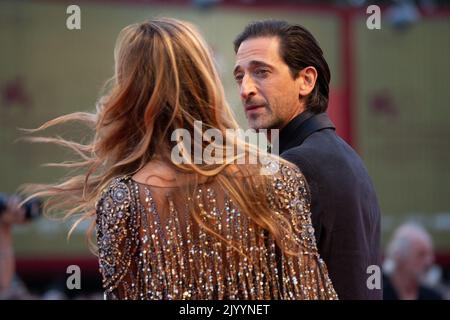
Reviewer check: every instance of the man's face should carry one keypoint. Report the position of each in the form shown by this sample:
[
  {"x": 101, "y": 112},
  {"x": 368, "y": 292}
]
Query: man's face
[
  {"x": 420, "y": 259},
  {"x": 269, "y": 93}
]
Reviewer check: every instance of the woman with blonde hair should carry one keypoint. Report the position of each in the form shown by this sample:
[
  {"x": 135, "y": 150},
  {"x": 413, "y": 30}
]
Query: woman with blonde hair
[{"x": 190, "y": 229}]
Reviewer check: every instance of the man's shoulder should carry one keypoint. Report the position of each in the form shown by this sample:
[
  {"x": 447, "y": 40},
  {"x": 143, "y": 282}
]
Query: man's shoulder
[
  {"x": 324, "y": 144},
  {"x": 426, "y": 293},
  {"x": 324, "y": 155}
]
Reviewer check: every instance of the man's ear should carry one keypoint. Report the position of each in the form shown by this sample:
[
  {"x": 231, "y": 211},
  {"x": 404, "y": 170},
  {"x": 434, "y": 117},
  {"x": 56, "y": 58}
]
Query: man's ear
[{"x": 307, "y": 80}]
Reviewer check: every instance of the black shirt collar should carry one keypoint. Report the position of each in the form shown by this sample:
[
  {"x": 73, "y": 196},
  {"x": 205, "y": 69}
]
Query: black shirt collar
[{"x": 299, "y": 128}]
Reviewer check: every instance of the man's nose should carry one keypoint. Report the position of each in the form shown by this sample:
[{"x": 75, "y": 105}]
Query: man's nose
[{"x": 248, "y": 88}]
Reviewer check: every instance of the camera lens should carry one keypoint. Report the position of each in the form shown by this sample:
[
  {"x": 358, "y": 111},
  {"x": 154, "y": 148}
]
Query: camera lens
[
  {"x": 3, "y": 202},
  {"x": 33, "y": 209}
]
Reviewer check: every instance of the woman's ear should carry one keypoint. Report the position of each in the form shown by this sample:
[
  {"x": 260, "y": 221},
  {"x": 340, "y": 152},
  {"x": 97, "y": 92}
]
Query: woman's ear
[{"x": 307, "y": 80}]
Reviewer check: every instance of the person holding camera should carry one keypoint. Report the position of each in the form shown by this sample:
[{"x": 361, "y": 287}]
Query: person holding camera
[{"x": 11, "y": 213}]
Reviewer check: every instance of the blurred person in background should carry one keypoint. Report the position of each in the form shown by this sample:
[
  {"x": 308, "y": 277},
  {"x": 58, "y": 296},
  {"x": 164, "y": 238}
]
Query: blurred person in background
[
  {"x": 11, "y": 213},
  {"x": 12, "y": 287},
  {"x": 409, "y": 260}
]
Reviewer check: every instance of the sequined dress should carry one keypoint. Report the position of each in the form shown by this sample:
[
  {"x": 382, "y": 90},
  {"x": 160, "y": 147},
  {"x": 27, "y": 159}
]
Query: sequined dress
[{"x": 150, "y": 247}]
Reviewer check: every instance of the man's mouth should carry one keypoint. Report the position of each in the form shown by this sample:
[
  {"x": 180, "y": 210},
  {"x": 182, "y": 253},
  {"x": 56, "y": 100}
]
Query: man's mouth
[{"x": 253, "y": 107}]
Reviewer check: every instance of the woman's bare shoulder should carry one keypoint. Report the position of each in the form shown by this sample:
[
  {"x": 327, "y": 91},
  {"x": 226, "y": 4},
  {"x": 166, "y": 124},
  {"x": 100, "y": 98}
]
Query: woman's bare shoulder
[{"x": 156, "y": 173}]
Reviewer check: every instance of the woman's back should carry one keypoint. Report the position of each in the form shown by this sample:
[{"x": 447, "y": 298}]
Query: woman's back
[{"x": 151, "y": 247}]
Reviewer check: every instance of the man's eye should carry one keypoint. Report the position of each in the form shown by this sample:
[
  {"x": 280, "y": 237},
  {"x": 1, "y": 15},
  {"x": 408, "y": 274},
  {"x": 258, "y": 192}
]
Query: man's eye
[
  {"x": 238, "y": 77},
  {"x": 261, "y": 72}
]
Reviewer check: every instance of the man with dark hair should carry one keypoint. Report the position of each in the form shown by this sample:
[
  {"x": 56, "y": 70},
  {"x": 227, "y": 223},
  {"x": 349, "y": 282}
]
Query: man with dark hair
[{"x": 284, "y": 83}]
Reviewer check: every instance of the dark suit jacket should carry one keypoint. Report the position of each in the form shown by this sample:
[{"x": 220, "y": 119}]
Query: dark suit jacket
[
  {"x": 344, "y": 206},
  {"x": 389, "y": 292}
]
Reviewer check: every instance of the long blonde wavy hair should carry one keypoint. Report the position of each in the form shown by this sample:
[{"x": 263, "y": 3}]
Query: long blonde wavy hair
[{"x": 165, "y": 79}]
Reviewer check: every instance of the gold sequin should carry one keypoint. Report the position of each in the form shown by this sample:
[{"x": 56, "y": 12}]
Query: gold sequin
[{"x": 143, "y": 257}]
